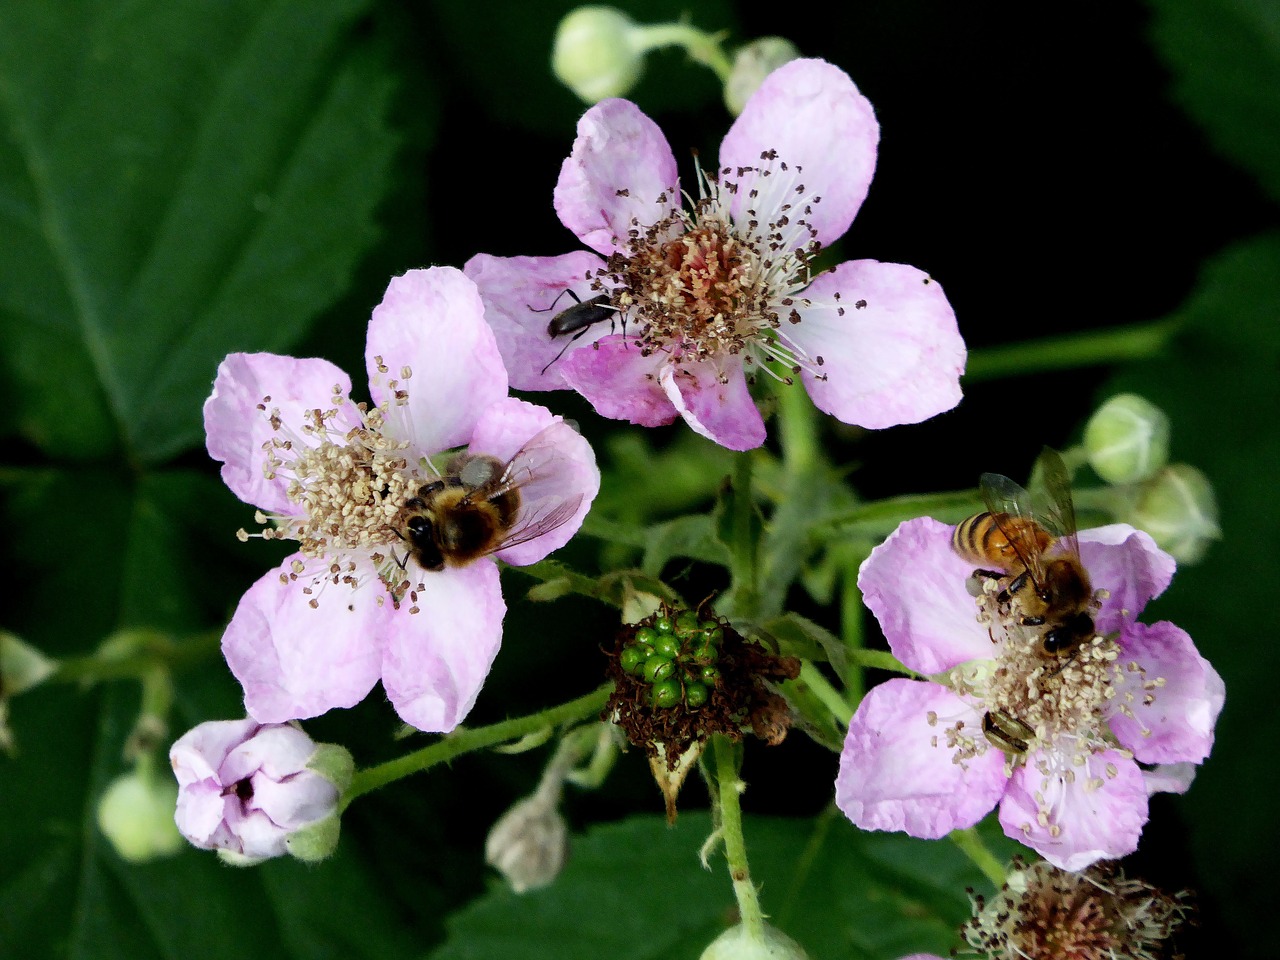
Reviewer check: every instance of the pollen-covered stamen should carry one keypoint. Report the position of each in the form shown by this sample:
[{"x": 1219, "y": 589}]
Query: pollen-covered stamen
[
  {"x": 1064, "y": 701},
  {"x": 348, "y": 481},
  {"x": 701, "y": 283},
  {"x": 1099, "y": 914}
]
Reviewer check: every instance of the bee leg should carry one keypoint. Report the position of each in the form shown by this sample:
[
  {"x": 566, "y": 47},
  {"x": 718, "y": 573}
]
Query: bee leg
[
  {"x": 1014, "y": 586},
  {"x": 1032, "y": 621}
]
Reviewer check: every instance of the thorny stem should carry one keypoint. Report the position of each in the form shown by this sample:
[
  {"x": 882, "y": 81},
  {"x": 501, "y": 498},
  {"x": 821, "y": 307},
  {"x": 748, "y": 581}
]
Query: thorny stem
[
  {"x": 970, "y": 843},
  {"x": 1136, "y": 342},
  {"x": 735, "y": 847},
  {"x": 466, "y": 741}
]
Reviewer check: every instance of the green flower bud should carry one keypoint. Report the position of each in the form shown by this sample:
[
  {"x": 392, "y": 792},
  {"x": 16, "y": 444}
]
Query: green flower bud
[
  {"x": 22, "y": 666},
  {"x": 136, "y": 815},
  {"x": 751, "y": 64},
  {"x": 1178, "y": 508},
  {"x": 597, "y": 53},
  {"x": 1127, "y": 439},
  {"x": 737, "y": 943}
]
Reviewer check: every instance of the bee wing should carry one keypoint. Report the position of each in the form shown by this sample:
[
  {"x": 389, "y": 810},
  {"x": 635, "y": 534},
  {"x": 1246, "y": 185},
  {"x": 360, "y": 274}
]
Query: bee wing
[
  {"x": 1005, "y": 497},
  {"x": 1058, "y": 511},
  {"x": 542, "y": 475}
]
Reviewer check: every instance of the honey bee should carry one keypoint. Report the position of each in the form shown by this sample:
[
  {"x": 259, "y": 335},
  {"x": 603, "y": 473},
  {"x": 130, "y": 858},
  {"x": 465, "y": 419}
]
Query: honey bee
[
  {"x": 480, "y": 505},
  {"x": 1035, "y": 555}
]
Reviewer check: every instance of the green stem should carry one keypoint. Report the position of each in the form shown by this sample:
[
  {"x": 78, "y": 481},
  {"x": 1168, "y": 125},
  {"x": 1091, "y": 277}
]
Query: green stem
[
  {"x": 735, "y": 846},
  {"x": 745, "y": 545},
  {"x": 97, "y": 668},
  {"x": 701, "y": 46},
  {"x": 805, "y": 862},
  {"x": 798, "y": 429},
  {"x": 466, "y": 741},
  {"x": 824, "y": 691},
  {"x": 1136, "y": 342},
  {"x": 855, "y": 682},
  {"x": 970, "y": 843},
  {"x": 881, "y": 517}
]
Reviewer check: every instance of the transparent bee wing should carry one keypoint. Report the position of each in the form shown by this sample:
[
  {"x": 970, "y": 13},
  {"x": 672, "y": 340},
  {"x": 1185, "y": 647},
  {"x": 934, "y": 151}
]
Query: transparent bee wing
[
  {"x": 1004, "y": 497},
  {"x": 543, "y": 477},
  {"x": 1058, "y": 512}
]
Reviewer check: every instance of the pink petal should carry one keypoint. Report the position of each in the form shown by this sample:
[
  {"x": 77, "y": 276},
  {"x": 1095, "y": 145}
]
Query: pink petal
[
  {"x": 302, "y": 800},
  {"x": 437, "y": 660},
  {"x": 1097, "y": 812},
  {"x": 200, "y": 752},
  {"x": 276, "y": 750},
  {"x": 619, "y": 381},
  {"x": 235, "y": 429},
  {"x": 432, "y": 323},
  {"x": 1169, "y": 778},
  {"x": 561, "y": 469},
  {"x": 1127, "y": 563},
  {"x": 914, "y": 583},
  {"x": 895, "y": 359},
  {"x": 897, "y": 773},
  {"x": 811, "y": 113},
  {"x": 621, "y": 172},
  {"x": 295, "y": 661},
  {"x": 521, "y": 296},
  {"x": 1178, "y": 723},
  {"x": 199, "y": 812},
  {"x": 715, "y": 402}
]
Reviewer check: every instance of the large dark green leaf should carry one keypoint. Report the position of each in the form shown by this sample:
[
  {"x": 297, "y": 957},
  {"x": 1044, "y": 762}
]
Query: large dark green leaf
[
  {"x": 1221, "y": 386},
  {"x": 1225, "y": 59},
  {"x": 177, "y": 180},
  {"x": 634, "y": 891}
]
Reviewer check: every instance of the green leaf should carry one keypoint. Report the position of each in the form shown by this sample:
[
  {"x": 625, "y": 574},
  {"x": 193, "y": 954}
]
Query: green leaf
[
  {"x": 177, "y": 181},
  {"x": 1219, "y": 385},
  {"x": 1225, "y": 59},
  {"x": 634, "y": 891}
]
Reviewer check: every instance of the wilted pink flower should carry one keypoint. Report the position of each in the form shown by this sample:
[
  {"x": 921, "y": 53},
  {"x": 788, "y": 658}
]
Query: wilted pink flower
[
  {"x": 916, "y": 757},
  {"x": 352, "y": 606},
  {"x": 693, "y": 300},
  {"x": 245, "y": 787}
]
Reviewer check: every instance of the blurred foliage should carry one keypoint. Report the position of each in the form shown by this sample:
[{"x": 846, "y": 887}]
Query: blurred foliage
[{"x": 181, "y": 179}]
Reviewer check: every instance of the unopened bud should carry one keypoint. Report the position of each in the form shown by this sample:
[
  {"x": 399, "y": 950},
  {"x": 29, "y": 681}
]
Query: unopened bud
[
  {"x": 1178, "y": 508},
  {"x": 136, "y": 815},
  {"x": 1127, "y": 439},
  {"x": 597, "y": 54},
  {"x": 22, "y": 666},
  {"x": 253, "y": 791},
  {"x": 529, "y": 843},
  {"x": 751, "y": 64},
  {"x": 737, "y": 943}
]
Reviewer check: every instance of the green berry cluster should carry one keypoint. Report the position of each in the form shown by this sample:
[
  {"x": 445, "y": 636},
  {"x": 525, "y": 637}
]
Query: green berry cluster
[{"x": 677, "y": 657}]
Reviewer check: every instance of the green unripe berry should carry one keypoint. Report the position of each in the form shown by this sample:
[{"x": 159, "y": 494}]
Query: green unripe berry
[
  {"x": 687, "y": 622},
  {"x": 666, "y": 693},
  {"x": 647, "y": 635},
  {"x": 695, "y": 695},
  {"x": 632, "y": 659},
  {"x": 704, "y": 654},
  {"x": 658, "y": 668},
  {"x": 712, "y": 632},
  {"x": 668, "y": 645},
  {"x": 662, "y": 624},
  {"x": 710, "y": 674}
]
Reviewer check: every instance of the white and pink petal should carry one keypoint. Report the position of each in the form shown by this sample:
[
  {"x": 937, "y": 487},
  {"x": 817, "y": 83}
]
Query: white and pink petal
[
  {"x": 1168, "y": 703},
  {"x": 521, "y": 296},
  {"x": 890, "y": 349},
  {"x": 436, "y": 660},
  {"x": 295, "y": 660},
  {"x": 430, "y": 325},
  {"x": 1076, "y": 816},
  {"x": 897, "y": 772},
  {"x": 620, "y": 173},
  {"x": 914, "y": 583},
  {"x": 619, "y": 381},
  {"x": 813, "y": 116},
  {"x": 238, "y": 418},
  {"x": 714, "y": 401},
  {"x": 1127, "y": 564}
]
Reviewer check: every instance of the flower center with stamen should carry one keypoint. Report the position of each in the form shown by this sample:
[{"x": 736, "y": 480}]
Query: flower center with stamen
[
  {"x": 700, "y": 284},
  {"x": 1063, "y": 700}
]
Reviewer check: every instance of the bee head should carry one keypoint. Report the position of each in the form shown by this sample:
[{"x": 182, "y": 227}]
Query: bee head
[{"x": 421, "y": 534}]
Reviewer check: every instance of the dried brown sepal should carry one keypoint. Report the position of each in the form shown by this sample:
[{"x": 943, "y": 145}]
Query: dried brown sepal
[{"x": 738, "y": 700}]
